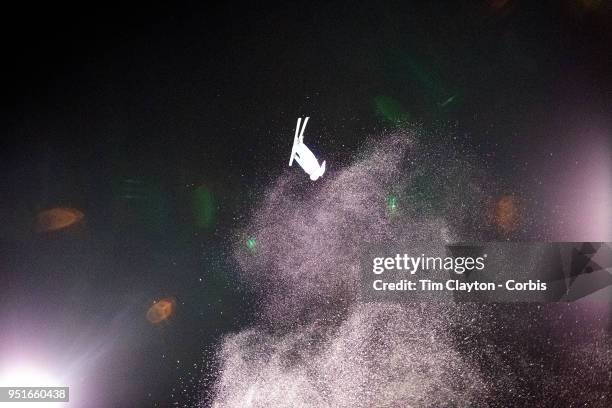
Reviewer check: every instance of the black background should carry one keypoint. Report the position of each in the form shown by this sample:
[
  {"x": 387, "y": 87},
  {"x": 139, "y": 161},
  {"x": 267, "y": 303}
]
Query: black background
[{"x": 189, "y": 95}]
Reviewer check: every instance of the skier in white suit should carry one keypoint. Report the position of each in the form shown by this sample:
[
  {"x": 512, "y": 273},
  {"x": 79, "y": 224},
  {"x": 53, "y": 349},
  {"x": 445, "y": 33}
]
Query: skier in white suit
[{"x": 302, "y": 154}]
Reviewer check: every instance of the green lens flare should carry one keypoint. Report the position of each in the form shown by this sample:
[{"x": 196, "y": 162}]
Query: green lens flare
[
  {"x": 251, "y": 244},
  {"x": 204, "y": 208},
  {"x": 391, "y": 110},
  {"x": 392, "y": 203}
]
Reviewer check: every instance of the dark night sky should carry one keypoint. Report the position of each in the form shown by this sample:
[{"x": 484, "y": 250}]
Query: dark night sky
[{"x": 186, "y": 96}]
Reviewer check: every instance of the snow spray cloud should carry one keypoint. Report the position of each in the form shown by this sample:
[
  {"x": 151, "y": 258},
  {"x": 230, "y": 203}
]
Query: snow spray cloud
[
  {"x": 316, "y": 345},
  {"x": 310, "y": 236}
]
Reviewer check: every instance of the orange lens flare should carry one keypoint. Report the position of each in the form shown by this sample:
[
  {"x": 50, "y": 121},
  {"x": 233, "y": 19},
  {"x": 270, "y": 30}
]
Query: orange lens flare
[
  {"x": 57, "y": 218},
  {"x": 506, "y": 214},
  {"x": 161, "y": 310}
]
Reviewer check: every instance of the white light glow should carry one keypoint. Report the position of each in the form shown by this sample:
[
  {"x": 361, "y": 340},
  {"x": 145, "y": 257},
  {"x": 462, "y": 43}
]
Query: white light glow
[{"x": 28, "y": 375}]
